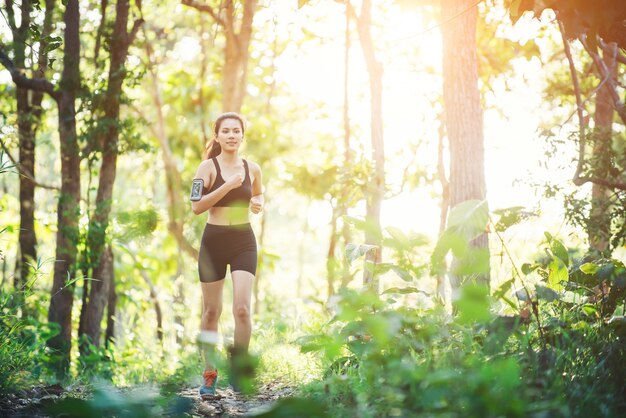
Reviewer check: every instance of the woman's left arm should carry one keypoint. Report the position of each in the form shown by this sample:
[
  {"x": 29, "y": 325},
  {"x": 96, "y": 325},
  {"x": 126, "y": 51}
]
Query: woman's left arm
[{"x": 257, "y": 200}]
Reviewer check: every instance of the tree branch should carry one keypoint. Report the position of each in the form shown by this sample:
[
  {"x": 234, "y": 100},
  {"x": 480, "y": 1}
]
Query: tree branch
[
  {"x": 11, "y": 16},
  {"x": 37, "y": 84},
  {"x": 605, "y": 74},
  {"x": 579, "y": 108},
  {"x": 133, "y": 32},
  {"x": 205, "y": 8},
  {"x": 606, "y": 48},
  {"x": 602, "y": 182},
  {"x": 26, "y": 174},
  {"x": 100, "y": 32}
]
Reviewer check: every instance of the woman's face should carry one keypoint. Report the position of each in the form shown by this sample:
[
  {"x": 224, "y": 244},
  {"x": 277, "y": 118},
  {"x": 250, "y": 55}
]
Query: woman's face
[{"x": 230, "y": 134}]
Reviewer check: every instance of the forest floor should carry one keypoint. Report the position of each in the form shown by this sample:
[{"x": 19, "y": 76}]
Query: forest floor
[
  {"x": 34, "y": 402},
  {"x": 232, "y": 404}
]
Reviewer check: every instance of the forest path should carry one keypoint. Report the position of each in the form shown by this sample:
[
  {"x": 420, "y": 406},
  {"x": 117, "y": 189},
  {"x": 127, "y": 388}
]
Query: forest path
[{"x": 232, "y": 404}]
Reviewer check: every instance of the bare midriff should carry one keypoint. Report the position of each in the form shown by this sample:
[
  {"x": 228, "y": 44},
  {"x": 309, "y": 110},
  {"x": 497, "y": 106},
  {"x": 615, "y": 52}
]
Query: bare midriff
[{"x": 228, "y": 215}]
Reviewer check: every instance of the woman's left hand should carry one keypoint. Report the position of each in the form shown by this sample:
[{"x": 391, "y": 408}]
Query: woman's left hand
[{"x": 256, "y": 204}]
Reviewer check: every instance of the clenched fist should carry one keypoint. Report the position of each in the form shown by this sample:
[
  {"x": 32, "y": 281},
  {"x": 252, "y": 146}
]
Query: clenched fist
[{"x": 256, "y": 204}]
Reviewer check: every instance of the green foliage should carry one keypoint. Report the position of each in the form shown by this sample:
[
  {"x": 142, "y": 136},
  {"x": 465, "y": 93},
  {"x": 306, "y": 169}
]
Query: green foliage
[
  {"x": 292, "y": 407},
  {"x": 382, "y": 359},
  {"x": 107, "y": 401},
  {"x": 403, "y": 362},
  {"x": 23, "y": 355},
  {"x": 466, "y": 221},
  {"x": 135, "y": 224}
]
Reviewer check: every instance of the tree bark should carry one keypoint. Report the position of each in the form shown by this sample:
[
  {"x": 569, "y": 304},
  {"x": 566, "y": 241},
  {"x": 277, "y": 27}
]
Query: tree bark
[
  {"x": 111, "y": 307},
  {"x": 376, "y": 192},
  {"x": 445, "y": 202},
  {"x": 100, "y": 260},
  {"x": 599, "y": 222},
  {"x": 174, "y": 185},
  {"x": 347, "y": 151},
  {"x": 463, "y": 111},
  {"x": 68, "y": 211},
  {"x": 235, "y": 69},
  {"x": 29, "y": 115}
]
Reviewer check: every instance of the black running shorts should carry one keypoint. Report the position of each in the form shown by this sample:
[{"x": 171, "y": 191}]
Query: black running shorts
[{"x": 226, "y": 244}]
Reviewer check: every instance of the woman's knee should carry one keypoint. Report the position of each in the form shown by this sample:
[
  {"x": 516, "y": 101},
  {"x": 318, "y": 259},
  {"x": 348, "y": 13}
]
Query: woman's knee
[
  {"x": 211, "y": 312},
  {"x": 242, "y": 313}
]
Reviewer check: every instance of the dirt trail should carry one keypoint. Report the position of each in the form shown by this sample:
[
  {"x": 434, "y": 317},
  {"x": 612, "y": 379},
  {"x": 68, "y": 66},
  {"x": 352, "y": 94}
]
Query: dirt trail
[
  {"x": 32, "y": 403},
  {"x": 232, "y": 404}
]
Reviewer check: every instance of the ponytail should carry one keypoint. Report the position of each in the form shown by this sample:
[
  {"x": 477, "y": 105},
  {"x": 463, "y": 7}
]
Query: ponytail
[{"x": 213, "y": 148}]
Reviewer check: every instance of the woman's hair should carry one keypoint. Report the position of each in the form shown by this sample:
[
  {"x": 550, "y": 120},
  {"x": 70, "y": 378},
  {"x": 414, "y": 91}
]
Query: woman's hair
[{"x": 213, "y": 148}]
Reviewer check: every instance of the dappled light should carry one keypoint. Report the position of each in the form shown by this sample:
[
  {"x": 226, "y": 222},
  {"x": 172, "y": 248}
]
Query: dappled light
[{"x": 309, "y": 208}]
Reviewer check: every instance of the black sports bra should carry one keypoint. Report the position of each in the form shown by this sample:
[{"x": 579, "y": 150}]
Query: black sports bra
[{"x": 239, "y": 197}]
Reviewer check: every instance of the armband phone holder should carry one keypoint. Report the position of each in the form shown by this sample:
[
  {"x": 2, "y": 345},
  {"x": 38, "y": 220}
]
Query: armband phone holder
[{"x": 196, "y": 190}]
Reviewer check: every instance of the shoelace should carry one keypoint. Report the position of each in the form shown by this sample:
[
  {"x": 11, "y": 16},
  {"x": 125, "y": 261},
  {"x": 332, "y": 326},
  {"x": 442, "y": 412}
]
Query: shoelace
[{"x": 209, "y": 377}]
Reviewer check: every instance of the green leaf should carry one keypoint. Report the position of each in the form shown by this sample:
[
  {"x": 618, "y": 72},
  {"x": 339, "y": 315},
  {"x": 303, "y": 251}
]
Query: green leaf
[
  {"x": 558, "y": 274},
  {"x": 546, "y": 293},
  {"x": 448, "y": 241},
  {"x": 589, "y": 268},
  {"x": 590, "y": 310},
  {"x": 402, "y": 273},
  {"x": 469, "y": 218},
  {"x": 473, "y": 304},
  {"x": 398, "y": 235},
  {"x": 509, "y": 217},
  {"x": 354, "y": 251},
  {"x": 404, "y": 291},
  {"x": 503, "y": 289},
  {"x": 474, "y": 262},
  {"x": 528, "y": 268},
  {"x": 557, "y": 248}
]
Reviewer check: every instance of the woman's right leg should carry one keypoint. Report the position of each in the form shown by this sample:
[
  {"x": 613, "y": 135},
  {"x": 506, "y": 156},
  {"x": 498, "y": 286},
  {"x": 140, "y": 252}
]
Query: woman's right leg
[{"x": 211, "y": 311}]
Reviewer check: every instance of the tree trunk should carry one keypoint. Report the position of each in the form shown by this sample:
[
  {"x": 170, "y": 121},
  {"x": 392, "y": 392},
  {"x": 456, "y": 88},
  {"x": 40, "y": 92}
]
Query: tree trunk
[
  {"x": 347, "y": 152},
  {"x": 376, "y": 192},
  {"x": 331, "y": 260},
  {"x": 445, "y": 204},
  {"x": 29, "y": 115},
  {"x": 100, "y": 260},
  {"x": 68, "y": 211},
  {"x": 235, "y": 67},
  {"x": 173, "y": 179},
  {"x": 599, "y": 230},
  {"x": 104, "y": 275},
  {"x": 464, "y": 117},
  {"x": 235, "y": 70},
  {"x": 111, "y": 307}
]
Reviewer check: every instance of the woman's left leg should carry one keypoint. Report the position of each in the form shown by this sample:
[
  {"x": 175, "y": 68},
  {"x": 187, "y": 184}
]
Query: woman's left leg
[{"x": 242, "y": 295}]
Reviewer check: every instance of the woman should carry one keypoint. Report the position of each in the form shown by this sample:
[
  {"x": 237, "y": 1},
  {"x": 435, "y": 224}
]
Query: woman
[{"x": 230, "y": 188}]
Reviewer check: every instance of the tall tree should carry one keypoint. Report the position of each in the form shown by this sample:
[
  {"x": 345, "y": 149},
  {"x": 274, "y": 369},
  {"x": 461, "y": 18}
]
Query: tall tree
[
  {"x": 29, "y": 112},
  {"x": 375, "y": 194},
  {"x": 107, "y": 141},
  {"x": 68, "y": 210},
  {"x": 597, "y": 26},
  {"x": 463, "y": 111},
  {"x": 236, "y": 46},
  {"x": 599, "y": 222}
]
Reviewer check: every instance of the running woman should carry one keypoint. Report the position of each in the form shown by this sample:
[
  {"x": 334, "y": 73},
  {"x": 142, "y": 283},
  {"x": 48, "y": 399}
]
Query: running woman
[{"x": 228, "y": 188}]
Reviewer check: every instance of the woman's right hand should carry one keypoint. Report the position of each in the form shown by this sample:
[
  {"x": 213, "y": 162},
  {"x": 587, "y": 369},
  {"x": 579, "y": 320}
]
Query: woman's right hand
[{"x": 234, "y": 181}]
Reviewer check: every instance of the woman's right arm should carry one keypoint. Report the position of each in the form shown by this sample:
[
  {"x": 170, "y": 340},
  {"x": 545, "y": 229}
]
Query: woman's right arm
[{"x": 206, "y": 172}]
